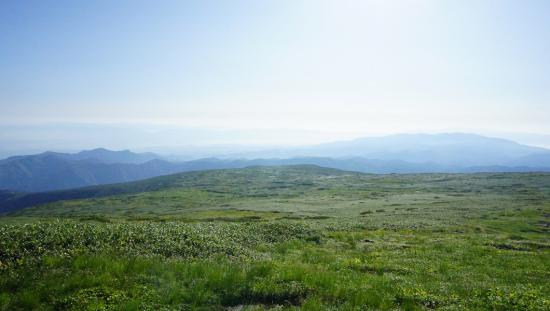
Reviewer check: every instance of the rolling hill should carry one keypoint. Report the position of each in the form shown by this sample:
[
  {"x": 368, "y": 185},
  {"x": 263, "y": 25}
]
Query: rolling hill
[
  {"x": 215, "y": 189},
  {"x": 213, "y": 180},
  {"x": 450, "y": 153}
]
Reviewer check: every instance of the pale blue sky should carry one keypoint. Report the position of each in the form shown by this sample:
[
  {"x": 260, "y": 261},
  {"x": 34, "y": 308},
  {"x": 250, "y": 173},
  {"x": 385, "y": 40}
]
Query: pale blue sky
[{"x": 349, "y": 67}]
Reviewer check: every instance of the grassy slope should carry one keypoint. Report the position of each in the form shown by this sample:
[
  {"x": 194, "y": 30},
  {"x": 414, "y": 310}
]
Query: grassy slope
[
  {"x": 292, "y": 237},
  {"x": 217, "y": 182}
]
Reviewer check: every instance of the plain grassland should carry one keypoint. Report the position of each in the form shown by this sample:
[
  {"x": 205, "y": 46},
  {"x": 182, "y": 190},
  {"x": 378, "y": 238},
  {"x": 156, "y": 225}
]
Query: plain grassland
[{"x": 299, "y": 237}]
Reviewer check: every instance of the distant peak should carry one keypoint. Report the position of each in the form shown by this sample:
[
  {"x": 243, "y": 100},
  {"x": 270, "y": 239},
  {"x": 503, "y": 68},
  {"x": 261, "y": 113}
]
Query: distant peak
[
  {"x": 105, "y": 150},
  {"x": 51, "y": 153},
  {"x": 100, "y": 149}
]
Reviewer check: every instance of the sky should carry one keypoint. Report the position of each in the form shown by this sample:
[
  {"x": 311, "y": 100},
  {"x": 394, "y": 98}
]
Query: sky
[{"x": 280, "y": 71}]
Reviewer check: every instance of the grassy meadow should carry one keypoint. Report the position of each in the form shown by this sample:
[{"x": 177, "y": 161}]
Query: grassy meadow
[{"x": 286, "y": 238}]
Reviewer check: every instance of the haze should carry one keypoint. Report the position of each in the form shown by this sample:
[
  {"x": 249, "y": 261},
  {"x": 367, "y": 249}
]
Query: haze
[{"x": 82, "y": 74}]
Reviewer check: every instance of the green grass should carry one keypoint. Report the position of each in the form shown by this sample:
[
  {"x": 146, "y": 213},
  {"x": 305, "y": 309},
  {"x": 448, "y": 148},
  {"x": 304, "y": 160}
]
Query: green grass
[{"x": 287, "y": 238}]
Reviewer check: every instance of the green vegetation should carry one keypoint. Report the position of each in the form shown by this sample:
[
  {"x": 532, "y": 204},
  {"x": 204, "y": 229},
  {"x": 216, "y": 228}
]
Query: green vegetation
[{"x": 298, "y": 237}]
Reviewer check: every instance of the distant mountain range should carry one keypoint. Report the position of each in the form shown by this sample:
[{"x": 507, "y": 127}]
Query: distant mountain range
[
  {"x": 456, "y": 149},
  {"x": 52, "y": 171},
  {"x": 453, "y": 153},
  {"x": 98, "y": 155}
]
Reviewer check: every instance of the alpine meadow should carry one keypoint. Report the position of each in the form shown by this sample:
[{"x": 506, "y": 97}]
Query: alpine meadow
[{"x": 275, "y": 155}]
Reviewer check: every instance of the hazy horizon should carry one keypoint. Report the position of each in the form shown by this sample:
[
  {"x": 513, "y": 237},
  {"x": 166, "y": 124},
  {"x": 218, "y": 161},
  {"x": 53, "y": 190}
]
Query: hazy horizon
[
  {"x": 195, "y": 143},
  {"x": 140, "y": 75}
]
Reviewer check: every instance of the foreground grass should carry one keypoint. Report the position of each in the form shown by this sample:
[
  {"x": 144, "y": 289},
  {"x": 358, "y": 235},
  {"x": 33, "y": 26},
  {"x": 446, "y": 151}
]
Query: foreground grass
[
  {"x": 285, "y": 265},
  {"x": 453, "y": 242}
]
